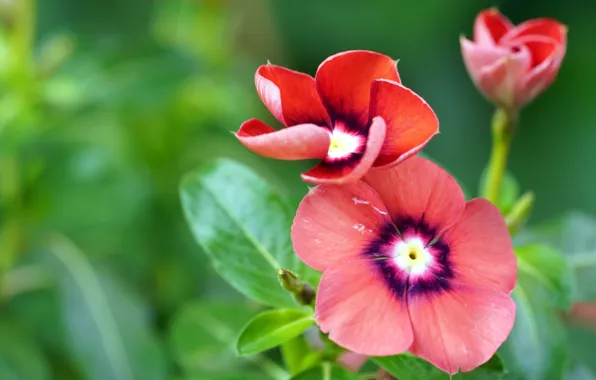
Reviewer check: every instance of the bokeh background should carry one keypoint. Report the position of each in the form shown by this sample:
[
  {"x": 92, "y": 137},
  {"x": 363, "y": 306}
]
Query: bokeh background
[{"x": 105, "y": 104}]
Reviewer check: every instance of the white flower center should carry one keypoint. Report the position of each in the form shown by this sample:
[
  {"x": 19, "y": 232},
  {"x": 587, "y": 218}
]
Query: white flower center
[
  {"x": 343, "y": 144},
  {"x": 412, "y": 256}
]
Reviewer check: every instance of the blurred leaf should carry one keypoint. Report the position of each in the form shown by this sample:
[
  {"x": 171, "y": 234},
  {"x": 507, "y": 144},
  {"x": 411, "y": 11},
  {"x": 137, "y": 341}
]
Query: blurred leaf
[
  {"x": 579, "y": 372},
  {"x": 325, "y": 371},
  {"x": 20, "y": 358},
  {"x": 202, "y": 335},
  {"x": 410, "y": 367},
  {"x": 548, "y": 267},
  {"x": 225, "y": 376},
  {"x": 244, "y": 226},
  {"x": 272, "y": 328},
  {"x": 575, "y": 236},
  {"x": 509, "y": 190},
  {"x": 582, "y": 343},
  {"x": 536, "y": 348},
  {"x": 108, "y": 329},
  {"x": 294, "y": 352}
]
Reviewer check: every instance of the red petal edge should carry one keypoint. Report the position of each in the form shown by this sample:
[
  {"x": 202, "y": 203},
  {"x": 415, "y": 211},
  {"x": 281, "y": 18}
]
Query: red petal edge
[
  {"x": 291, "y": 96},
  {"x": 411, "y": 122},
  {"x": 299, "y": 142}
]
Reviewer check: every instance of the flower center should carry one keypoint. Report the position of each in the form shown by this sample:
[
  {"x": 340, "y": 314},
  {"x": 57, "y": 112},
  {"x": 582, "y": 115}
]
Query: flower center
[
  {"x": 343, "y": 144},
  {"x": 412, "y": 256}
]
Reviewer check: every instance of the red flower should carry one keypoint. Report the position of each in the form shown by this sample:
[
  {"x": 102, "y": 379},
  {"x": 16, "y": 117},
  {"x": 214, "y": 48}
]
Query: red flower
[
  {"x": 353, "y": 115},
  {"x": 409, "y": 265},
  {"x": 511, "y": 64}
]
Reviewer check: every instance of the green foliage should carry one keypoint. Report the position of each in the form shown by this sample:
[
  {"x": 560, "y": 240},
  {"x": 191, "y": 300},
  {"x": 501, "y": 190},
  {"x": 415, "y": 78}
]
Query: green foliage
[
  {"x": 410, "y": 367},
  {"x": 20, "y": 358},
  {"x": 272, "y": 328},
  {"x": 105, "y": 105},
  {"x": 298, "y": 355},
  {"x": 242, "y": 224},
  {"x": 108, "y": 327},
  {"x": 325, "y": 371},
  {"x": 536, "y": 348},
  {"x": 510, "y": 190},
  {"x": 582, "y": 341},
  {"x": 201, "y": 339},
  {"x": 575, "y": 236},
  {"x": 547, "y": 267}
]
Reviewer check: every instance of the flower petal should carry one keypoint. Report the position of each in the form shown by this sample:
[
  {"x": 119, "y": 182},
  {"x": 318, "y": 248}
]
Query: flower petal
[
  {"x": 461, "y": 328},
  {"x": 490, "y": 26},
  {"x": 334, "y": 224},
  {"x": 295, "y": 143},
  {"x": 419, "y": 189},
  {"x": 547, "y": 57},
  {"x": 481, "y": 251},
  {"x": 344, "y": 80},
  {"x": 411, "y": 123},
  {"x": 290, "y": 96},
  {"x": 477, "y": 57},
  {"x": 352, "y": 360},
  {"x": 544, "y": 27},
  {"x": 360, "y": 312},
  {"x": 345, "y": 171},
  {"x": 499, "y": 82}
]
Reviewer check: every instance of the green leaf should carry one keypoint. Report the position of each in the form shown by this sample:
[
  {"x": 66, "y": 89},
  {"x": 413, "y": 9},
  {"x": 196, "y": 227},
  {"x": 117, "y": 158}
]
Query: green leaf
[
  {"x": 225, "y": 376},
  {"x": 202, "y": 337},
  {"x": 20, "y": 358},
  {"x": 293, "y": 352},
  {"x": 575, "y": 236},
  {"x": 410, "y": 367},
  {"x": 325, "y": 371},
  {"x": 202, "y": 334},
  {"x": 582, "y": 342},
  {"x": 509, "y": 190},
  {"x": 272, "y": 328},
  {"x": 536, "y": 348},
  {"x": 244, "y": 227},
  {"x": 548, "y": 267},
  {"x": 108, "y": 331},
  {"x": 579, "y": 372}
]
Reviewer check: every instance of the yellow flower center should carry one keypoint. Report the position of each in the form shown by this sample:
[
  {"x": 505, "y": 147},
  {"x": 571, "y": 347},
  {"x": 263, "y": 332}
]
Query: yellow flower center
[
  {"x": 342, "y": 144},
  {"x": 412, "y": 256}
]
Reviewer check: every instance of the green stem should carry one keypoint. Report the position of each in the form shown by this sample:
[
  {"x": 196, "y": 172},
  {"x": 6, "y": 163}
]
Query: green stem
[
  {"x": 519, "y": 212},
  {"x": 24, "y": 31},
  {"x": 503, "y": 127}
]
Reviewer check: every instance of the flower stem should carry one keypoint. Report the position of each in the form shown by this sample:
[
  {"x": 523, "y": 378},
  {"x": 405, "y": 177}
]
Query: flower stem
[
  {"x": 520, "y": 212},
  {"x": 503, "y": 126}
]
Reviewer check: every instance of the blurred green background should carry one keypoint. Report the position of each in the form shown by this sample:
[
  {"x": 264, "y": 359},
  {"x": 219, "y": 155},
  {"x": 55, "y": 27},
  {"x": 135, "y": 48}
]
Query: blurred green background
[{"x": 105, "y": 104}]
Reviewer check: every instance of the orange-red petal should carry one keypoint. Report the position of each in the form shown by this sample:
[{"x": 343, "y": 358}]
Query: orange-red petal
[
  {"x": 333, "y": 224},
  {"x": 290, "y": 96},
  {"x": 544, "y": 27},
  {"x": 295, "y": 143},
  {"x": 344, "y": 81},
  {"x": 421, "y": 190},
  {"x": 462, "y": 328},
  {"x": 480, "y": 248},
  {"x": 490, "y": 26},
  {"x": 359, "y": 311},
  {"x": 411, "y": 123}
]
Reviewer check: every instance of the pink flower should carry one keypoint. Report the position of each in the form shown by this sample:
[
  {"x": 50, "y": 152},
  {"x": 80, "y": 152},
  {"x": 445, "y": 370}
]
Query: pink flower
[
  {"x": 511, "y": 64},
  {"x": 408, "y": 265},
  {"x": 353, "y": 115}
]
